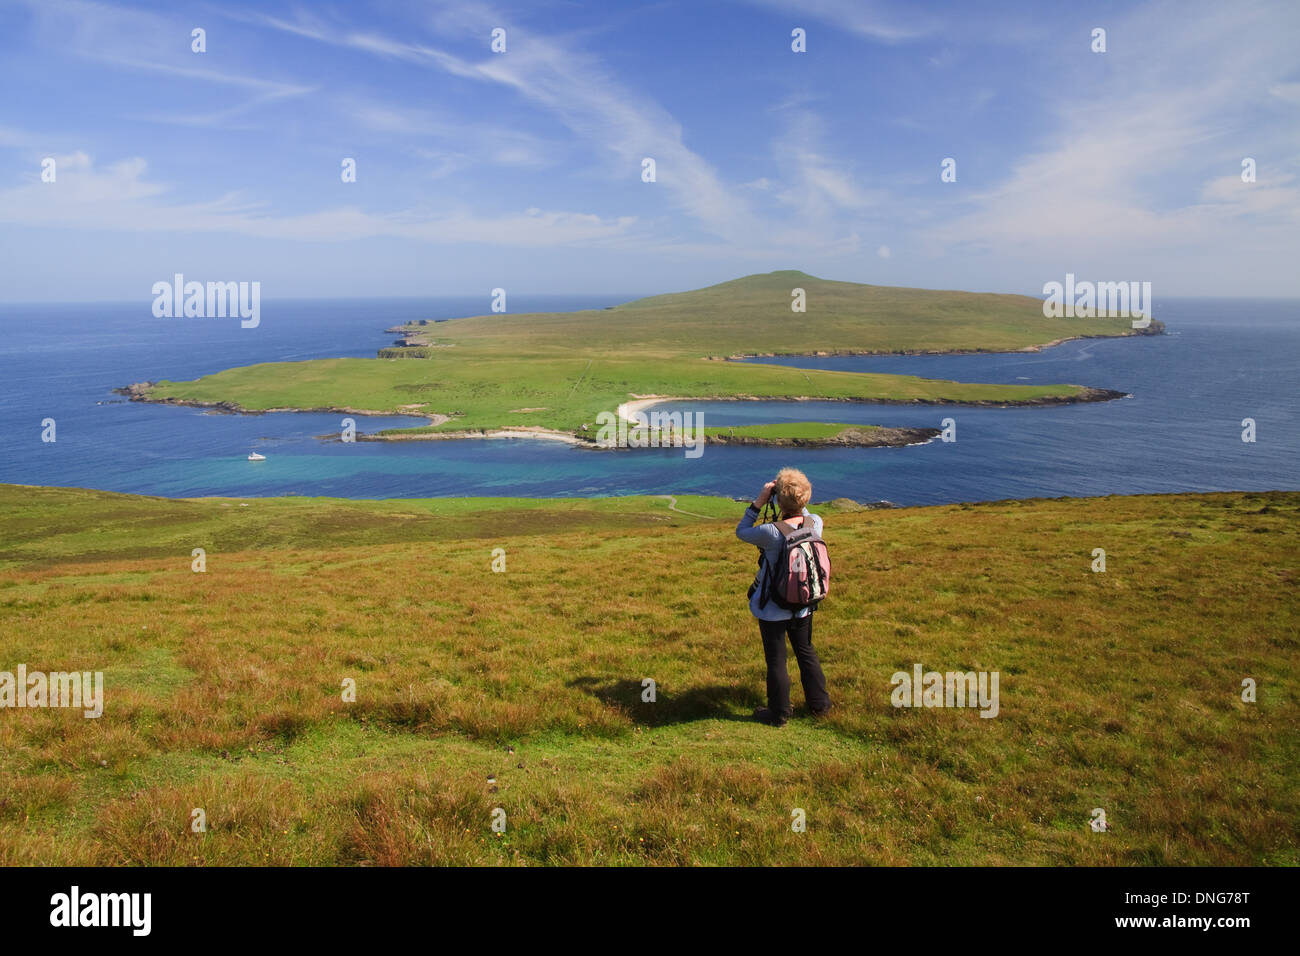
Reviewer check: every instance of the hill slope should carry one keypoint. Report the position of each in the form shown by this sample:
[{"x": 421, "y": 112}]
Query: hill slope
[
  {"x": 523, "y": 689},
  {"x": 753, "y": 315}
]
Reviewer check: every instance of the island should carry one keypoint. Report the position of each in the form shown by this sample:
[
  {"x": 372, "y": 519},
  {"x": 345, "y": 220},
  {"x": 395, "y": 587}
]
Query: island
[{"x": 552, "y": 375}]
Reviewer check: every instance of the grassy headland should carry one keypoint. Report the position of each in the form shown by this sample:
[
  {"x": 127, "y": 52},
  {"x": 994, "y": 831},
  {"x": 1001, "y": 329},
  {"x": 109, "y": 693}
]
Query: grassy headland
[
  {"x": 522, "y": 689},
  {"x": 811, "y": 434},
  {"x": 560, "y": 370}
]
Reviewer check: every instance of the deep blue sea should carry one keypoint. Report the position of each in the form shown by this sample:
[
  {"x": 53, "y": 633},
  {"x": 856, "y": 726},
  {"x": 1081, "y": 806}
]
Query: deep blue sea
[{"x": 1221, "y": 361}]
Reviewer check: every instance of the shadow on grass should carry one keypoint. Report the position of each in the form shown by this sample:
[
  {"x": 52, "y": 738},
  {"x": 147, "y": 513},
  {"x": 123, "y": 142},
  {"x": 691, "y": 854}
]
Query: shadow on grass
[{"x": 718, "y": 702}]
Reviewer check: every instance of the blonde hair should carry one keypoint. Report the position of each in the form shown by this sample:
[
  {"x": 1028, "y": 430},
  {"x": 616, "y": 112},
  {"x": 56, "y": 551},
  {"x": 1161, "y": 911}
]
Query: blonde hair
[{"x": 793, "y": 491}]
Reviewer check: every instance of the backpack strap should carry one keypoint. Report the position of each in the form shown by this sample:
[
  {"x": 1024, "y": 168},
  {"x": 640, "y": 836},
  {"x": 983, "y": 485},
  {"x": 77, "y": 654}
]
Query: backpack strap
[{"x": 788, "y": 529}]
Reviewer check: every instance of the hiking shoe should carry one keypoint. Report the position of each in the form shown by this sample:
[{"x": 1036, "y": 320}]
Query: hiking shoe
[
  {"x": 768, "y": 717},
  {"x": 822, "y": 713}
]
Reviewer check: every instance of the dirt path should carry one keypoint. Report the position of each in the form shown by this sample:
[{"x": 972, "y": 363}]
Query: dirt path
[{"x": 672, "y": 506}]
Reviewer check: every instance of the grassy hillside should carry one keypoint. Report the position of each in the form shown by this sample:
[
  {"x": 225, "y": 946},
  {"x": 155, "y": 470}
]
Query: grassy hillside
[
  {"x": 560, "y": 370},
  {"x": 752, "y": 315},
  {"x": 521, "y": 690}
]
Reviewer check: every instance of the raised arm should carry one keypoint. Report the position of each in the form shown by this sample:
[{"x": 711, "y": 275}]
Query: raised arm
[{"x": 762, "y": 535}]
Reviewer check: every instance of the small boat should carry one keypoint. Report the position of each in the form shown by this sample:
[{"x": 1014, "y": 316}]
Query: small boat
[{"x": 256, "y": 457}]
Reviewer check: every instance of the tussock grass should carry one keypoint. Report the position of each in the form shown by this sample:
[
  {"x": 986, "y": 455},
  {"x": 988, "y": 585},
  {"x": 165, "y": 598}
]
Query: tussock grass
[{"x": 1118, "y": 690}]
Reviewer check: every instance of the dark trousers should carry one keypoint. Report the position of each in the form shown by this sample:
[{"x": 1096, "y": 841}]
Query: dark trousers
[{"x": 810, "y": 668}]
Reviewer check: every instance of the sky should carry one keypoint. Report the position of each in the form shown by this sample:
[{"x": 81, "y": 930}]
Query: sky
[{"x": 523, "y": 169}]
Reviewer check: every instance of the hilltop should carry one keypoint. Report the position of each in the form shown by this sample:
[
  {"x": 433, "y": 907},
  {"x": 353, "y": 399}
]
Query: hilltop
[{"x": 752, "y": 316}]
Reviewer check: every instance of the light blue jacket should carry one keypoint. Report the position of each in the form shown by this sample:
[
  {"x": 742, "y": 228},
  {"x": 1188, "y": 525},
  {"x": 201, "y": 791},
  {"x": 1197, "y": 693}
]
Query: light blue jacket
[{"x": 767, "y": 537}]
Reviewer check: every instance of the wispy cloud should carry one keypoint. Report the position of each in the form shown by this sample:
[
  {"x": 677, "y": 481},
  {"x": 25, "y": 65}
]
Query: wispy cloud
[
  {"x": 120, "y": 198},
  {"x": 1100, "y": 186},
  {"x": 15, "y": 138},
  {"x": 140, "y": 41},
  {"x": 873, "y": 20},
  {"x": 463, "y": 141},
  {"x": 818, "y": 185},
  {"x": 582, "y": 93},
  {"x": 827, "y": 160}
]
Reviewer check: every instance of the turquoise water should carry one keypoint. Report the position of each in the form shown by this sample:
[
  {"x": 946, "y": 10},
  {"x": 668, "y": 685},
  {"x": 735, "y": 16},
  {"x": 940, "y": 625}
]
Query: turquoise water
[{"x": 1222, "y": 361}]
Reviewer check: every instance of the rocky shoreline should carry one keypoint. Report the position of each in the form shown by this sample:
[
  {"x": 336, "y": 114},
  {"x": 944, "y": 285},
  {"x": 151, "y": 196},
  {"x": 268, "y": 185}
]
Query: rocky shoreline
[
  {"x": 1089, "y": 394},
  {"x": 879, "y": 437},
  {"x": 410, "y": 339},
  {"x": 139, "y": 392},
  {"x": 1155, "y": 328},
  {"x": 869, "y": 437}
]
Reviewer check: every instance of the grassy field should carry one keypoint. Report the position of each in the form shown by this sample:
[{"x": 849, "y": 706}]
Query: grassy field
[
  {"x": 522, "y": 689},
  {"x": 560, "y": 370}
]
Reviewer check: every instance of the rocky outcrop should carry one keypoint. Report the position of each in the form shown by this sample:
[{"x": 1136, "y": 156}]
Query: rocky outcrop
[{"x": 850, "y": 437}]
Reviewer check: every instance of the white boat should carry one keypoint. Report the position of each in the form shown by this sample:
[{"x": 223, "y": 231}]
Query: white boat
[{"x": 256, "y": 457}]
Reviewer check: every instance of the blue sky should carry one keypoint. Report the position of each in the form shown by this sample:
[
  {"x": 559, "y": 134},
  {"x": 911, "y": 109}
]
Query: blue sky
[{"x": 522, "y": 169}]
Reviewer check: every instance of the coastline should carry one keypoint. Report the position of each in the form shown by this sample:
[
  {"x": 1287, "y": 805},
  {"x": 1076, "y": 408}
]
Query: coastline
[
  {"x": 487, "y": 421},
  {"x": 518, "y": 431},
  {"x": 870, "y": 436},
  {"x": 875, "y": 437},
  {"x": 1089, "y": 394},
  {"x": 139, "y": 392},
  {"x": 1156, "y": 328},
  {"x": 878, "y": 437},
  {"x": 865, "y": 437},
  {"x": 408, "y": 339}
]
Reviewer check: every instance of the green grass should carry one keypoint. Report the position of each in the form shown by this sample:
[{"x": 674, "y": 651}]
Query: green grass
[
  {"x": 569, "y": 367},
  {"x": 48, "y": 525},
  {"x": 800, "y": 430},
  {"x": 752, "y": 315},
  {"x": 1118, "y": 690}
]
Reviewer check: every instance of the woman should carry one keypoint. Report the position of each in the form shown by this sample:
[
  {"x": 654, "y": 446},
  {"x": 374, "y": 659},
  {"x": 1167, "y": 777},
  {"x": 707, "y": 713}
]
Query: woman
[{"x": 793, "y": 491}]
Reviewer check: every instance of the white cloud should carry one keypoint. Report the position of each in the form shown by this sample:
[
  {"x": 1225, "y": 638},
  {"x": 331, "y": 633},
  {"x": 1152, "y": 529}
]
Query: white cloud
[
  {"x": 139, "y": 41},
  {"x": 463, "y": 143},
  {"x": 1115, "y": 181},
  {"x": 1271, "y": 194},
  {"x": 11, "y": 137},
  {"x": 584, "y": 95},
  {"x": 579, "y": 90},
  {"x": 816, "y": 185},
  {"x": 867, "y": 18},
  {"x": 119, "y": 198},
  {"x": 1286, "y": 91}
]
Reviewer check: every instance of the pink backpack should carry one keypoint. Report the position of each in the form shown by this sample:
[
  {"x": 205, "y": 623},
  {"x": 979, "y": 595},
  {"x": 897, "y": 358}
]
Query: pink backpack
[{"x": 802, "y": 576}]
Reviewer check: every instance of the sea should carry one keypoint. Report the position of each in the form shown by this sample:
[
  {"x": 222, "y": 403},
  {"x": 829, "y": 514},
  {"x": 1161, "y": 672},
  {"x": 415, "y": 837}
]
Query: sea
[{"x": 1224, "y": 369}]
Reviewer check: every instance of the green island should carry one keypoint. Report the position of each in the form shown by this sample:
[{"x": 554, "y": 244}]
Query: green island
[
  {"x": 551, "y": 375},
  {"x": 813, "y": 433},
  {"x": 523, "y": 689}
]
